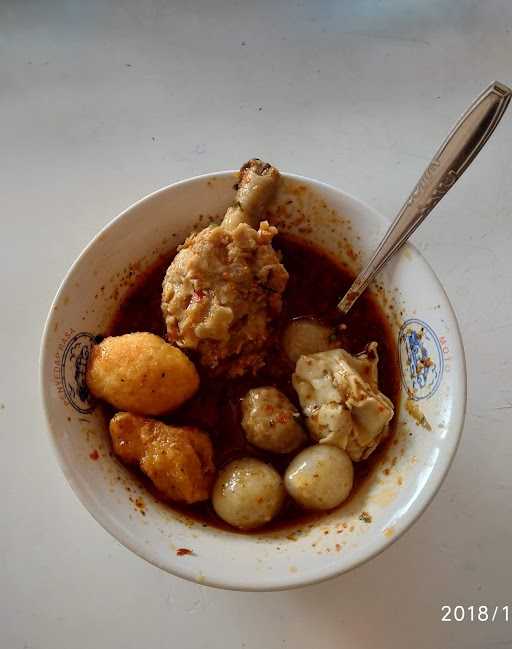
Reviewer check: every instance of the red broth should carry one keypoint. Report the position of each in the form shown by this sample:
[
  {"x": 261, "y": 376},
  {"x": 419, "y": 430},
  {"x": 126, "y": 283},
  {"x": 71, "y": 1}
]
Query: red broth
[{"x": 317, "y": 281}]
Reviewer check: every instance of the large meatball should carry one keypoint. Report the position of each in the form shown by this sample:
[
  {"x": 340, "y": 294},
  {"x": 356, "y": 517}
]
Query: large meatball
[
  {"x": 320, "y": 477},
  {"x": 248, "y": 493},
  {"x": 223, "y": 290},
  {"x": 271, "y": 421},
  {"x": 141, "y": 373},
  {"x": 178, "y": 460},
  {"x": 221, "y": 295}
]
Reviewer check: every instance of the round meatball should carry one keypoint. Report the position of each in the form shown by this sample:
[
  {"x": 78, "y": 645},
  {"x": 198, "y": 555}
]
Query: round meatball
[
  {"x": 271, "y": 422},
  {"x": 141, "y": 373},
  {"x": 306, "y": 336},
  {"x": 320, "y": 477},
  {"x": 248, "y": 493}
]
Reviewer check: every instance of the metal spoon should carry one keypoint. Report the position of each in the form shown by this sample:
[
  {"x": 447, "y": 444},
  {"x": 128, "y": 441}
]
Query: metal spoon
[{"x": 457, "y": 152}]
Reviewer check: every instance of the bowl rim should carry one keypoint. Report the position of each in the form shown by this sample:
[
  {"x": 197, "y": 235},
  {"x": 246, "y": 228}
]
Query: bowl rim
[{"x": 290, "y": 581}]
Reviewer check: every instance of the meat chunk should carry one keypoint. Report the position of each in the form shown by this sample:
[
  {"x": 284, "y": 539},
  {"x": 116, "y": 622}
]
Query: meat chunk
[
  {"x": 178, "y": 460},
  {"x": 141, "y": 373},
  {"x": 224, "y": 288},
  {"x": 340, "y": 397}
]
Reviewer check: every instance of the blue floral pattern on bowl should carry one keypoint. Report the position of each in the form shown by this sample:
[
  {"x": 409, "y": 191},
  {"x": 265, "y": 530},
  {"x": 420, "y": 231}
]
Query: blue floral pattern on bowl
[{"x": 421, "y": 359}]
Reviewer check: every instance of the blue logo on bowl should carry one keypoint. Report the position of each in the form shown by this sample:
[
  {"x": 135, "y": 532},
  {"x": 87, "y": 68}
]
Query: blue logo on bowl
[
  {"x": 73, "y": 370},
  {"x": 421, "y": 359}
]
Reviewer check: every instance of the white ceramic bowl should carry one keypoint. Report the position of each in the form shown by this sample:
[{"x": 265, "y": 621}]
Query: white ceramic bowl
[{"x": 401, "y": 488}]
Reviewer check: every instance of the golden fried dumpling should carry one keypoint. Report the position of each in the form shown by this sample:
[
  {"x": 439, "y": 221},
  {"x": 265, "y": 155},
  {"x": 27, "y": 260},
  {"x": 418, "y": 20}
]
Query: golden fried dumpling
[
  {"x": 178, "y": 460},
  {"x": 141, "y": 373}
]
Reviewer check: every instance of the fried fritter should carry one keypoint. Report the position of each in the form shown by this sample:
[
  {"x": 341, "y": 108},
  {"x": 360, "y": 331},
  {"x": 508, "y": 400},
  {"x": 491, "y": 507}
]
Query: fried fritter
[
  {"x": 141, "y": 373},
  {"x": 178, "y": 460}
]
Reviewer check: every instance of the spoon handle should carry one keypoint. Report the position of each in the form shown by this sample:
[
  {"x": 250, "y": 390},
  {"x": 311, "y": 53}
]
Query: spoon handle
[{"x": 457, "y": 152}]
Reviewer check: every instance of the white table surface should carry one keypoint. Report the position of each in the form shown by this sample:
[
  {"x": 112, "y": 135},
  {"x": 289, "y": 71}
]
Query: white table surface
[{"x": 102, "y": 102}]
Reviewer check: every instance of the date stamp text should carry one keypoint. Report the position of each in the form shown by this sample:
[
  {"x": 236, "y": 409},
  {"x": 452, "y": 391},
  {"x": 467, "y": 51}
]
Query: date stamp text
[{"x": 475, "y": 613}]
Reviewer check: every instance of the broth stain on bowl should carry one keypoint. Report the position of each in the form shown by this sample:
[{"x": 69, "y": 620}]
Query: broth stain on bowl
[{"x": 389, "y": 532}]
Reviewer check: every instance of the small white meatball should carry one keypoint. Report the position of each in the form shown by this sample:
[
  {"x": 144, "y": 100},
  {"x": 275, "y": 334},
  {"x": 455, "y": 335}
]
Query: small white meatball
[
  {"x": 248, "y": 493},
  {"x": 320, "y": 477},
  {"x": 270, "y": 421},
  {"x": 306, "y": 336}
]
